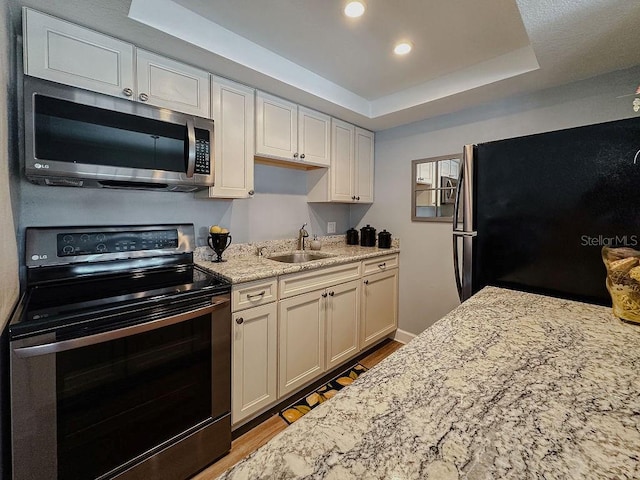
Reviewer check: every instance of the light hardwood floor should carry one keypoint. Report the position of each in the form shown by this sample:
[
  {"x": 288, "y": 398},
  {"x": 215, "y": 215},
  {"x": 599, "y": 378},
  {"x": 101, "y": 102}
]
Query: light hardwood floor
[{"x": 258, "y": 436}]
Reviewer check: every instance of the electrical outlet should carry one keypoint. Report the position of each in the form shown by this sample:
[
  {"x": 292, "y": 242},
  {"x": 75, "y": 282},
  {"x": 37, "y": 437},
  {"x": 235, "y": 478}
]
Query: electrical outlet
[{"x": 331, "y": 227}]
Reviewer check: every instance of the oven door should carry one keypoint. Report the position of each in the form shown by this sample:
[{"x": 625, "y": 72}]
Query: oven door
[{"x": 115, "y": 403}]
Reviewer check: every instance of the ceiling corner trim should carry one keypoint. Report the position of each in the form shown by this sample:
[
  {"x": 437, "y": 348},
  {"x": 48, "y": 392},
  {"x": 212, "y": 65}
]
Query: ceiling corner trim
[
  {"x": 173, "y": 19},
  {"x": 517, "y": 62}
]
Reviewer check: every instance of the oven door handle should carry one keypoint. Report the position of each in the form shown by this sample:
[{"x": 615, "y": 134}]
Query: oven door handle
[{"x": 64, "y": 345}]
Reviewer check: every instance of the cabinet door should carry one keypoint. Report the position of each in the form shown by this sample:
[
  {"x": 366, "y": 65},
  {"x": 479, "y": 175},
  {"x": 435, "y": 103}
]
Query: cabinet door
[
  {"x": 254, "y": 364},
  {"x": 276, "y": 127},
  {"x": 233, "y": 114},
  {"x": 169, "y": 84},
  {"x": 363, "y": 176},
  {"x": 341, "y": 171},
  {"x": 301, "y": 345},
  {"x": 66, "y": 53},
  {"x": 379, "y": 306},
  {"x": 343, "y": 314},
  {"x": 314, "y": 134}
]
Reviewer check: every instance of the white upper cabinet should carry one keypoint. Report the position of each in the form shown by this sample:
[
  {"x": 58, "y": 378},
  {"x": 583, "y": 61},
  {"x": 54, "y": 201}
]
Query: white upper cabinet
[
  {"x": 363, "y": 166},
  {"x": 289, "y": 133},
  {"x": 341, "y": 173},
  {"x": 233, "y": 114},
  {"x": 349, "y": 178},
  {"x": 276, "y": 127},
  {"x": 166, "y": 83},
  {"x": 314, "y": 137},
  {"x": 66, "y": 53}
]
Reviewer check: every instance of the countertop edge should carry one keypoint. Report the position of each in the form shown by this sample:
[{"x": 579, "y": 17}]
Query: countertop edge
[{"x": 254, "y": 268}]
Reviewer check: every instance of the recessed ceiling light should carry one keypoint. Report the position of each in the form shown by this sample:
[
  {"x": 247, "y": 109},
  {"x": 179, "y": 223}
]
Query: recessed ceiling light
[
  {"x": 402, "y": 48},
  {"x": 354, "y": 9}
]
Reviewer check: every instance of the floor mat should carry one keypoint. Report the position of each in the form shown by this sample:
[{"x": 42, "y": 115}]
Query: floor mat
[{"x": 297, "y": 409}]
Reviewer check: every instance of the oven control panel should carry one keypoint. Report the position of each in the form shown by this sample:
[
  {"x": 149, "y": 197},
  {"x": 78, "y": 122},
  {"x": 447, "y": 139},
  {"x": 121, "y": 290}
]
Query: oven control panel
[
  {"x": 55, "y": 246},
  {"x": 90, "y": 243}
]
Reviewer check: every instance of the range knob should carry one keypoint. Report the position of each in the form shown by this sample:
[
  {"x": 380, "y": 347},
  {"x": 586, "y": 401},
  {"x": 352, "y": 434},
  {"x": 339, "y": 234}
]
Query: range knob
[
  {"x": 100, "y": 237},
  {"x": 101, "y": 247},
  {"x": 84, "y": 237},
  {"x": 68, "y": 239},
  {"x": 67, "y": 249}
]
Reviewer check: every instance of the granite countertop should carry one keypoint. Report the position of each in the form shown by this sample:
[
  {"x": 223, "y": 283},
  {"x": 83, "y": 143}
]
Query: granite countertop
[
  {"x": 243, "y": 264},
  {"x": 508, "y": 385}
]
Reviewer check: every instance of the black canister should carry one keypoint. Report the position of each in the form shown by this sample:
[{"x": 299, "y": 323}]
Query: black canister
[
  {"x": 368, "y": 236},
  {"x": 384, "y": 239},
  {"x": 352, "y": 237}
]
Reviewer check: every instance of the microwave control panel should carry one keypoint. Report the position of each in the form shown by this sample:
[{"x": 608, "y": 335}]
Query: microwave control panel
[{"x": 203, "y": 158}]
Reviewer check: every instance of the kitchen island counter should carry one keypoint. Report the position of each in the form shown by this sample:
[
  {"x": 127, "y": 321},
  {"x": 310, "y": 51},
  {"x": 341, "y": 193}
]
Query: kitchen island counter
[
  {"x": 244, "y": 265},
  {"x": 508, "y": 385}
]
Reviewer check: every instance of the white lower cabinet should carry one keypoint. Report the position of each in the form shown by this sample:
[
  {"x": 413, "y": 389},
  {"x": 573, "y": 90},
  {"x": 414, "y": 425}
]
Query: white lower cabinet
[
  {"x": 254, "y": 360},
  {"x": 342, "y": 317},
  {"x": 318, "y": 331},
  {"x": 301, "y": 345},
  {"x": 322, "y": 319},
  {"x": 379, "y": 306}
]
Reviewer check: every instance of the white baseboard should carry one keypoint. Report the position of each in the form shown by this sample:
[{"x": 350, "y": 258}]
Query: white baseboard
[{"x": 403, "y": 337}]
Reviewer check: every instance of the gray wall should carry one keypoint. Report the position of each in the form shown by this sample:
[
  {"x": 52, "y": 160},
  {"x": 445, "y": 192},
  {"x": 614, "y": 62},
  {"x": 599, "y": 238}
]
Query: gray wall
[
  {"x": 427, "y": 288},
  {"x": 277, "y": 210}
]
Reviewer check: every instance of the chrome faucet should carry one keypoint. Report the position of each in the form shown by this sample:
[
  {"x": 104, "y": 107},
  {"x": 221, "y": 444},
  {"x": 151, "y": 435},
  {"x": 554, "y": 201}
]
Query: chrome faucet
[{"x": 302, "y": 234}]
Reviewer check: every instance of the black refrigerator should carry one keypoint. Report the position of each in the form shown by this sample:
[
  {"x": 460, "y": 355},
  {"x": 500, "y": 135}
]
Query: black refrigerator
[{"x": 533, "y": 213}]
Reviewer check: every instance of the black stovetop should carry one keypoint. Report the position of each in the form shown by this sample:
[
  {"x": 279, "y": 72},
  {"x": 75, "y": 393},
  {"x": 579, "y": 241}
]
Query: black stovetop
[{"x": 62, "y": 305}]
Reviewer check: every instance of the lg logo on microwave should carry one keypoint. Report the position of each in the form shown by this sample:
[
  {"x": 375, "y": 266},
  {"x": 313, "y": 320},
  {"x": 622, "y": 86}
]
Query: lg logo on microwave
[
  {"x": 41, "y": 165},
  {"x": 39, "y": 257}
]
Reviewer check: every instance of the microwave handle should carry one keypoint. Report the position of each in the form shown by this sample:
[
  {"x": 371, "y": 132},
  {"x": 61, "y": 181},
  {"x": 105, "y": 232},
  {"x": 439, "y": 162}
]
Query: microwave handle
[
  {"x": 64, "y": 345},
  {"x": 191, "y": 149}
]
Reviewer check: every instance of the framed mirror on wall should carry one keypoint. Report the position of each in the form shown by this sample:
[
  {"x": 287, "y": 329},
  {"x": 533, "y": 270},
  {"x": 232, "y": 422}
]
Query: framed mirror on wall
[{"x": 434, "y": 183}]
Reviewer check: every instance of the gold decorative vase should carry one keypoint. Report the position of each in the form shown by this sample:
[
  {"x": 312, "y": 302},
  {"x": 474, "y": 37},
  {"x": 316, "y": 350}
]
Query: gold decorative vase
[{"x": 623, "y": 281}]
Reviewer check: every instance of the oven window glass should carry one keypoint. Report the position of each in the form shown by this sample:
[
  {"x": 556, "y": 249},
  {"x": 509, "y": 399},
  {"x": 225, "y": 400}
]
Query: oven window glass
[
  {"x": 75, "y": 133},
  {"x": 116, "y": 400}
]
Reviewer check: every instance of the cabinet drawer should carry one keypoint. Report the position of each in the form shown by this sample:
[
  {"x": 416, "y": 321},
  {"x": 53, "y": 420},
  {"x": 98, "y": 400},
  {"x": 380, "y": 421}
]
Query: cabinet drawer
[
  {"x": 298, "y": 283},
  {"x": 379, "y": 264},
  {"x": 252, "y": 294}
]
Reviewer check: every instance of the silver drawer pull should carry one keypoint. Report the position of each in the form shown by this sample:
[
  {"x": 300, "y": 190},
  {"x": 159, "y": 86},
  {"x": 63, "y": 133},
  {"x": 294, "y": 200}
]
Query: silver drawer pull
[
  {"x": 382, "y": 265},
  {"x": 256, "y": 295},
  {"x": 240, "y": 321},
  {"x": 366, "y": 282}
]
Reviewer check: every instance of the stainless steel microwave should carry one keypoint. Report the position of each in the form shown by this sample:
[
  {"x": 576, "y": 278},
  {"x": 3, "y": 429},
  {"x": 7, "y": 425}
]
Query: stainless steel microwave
[{"x": 78, "y": 138}]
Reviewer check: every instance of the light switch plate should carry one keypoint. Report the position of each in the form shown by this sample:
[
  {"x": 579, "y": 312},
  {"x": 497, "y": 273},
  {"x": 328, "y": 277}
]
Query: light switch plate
[{"x": 331, "y": 227}]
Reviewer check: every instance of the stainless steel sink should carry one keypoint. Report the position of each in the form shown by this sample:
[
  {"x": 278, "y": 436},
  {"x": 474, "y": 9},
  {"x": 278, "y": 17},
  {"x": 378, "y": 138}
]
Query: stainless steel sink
[{"x": 298, "y": 257}]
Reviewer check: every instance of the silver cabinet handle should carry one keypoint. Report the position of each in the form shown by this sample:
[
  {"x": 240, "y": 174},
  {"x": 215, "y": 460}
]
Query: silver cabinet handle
[
  {"x": 127, "y": 92},
  {"x": 251, "y": 192},
  {"x": 382, "y": 265},
  {"x": 191, "y": 150},
  {"x": 357, "y": 198},
  {"x": 295, "y": 155},
  {"x": 302, "y": 156},
  {"x": 366, "y": 282},
  {"x": 256, "y": 295},
  {"x": 143, "y": 97},
  {"x": 324, "y": 295},
  {"x": 353, "y": 197},
  {"x": 72, "y": 344},
  {"x": 331, "y": 293},
  {"x": 240, "y": 320}
]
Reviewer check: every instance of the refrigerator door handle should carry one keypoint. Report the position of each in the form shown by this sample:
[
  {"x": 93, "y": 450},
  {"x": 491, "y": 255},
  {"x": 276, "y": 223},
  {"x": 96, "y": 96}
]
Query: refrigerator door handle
[{"x": 463, "y": 276}]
